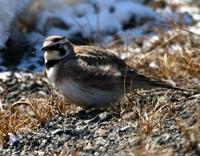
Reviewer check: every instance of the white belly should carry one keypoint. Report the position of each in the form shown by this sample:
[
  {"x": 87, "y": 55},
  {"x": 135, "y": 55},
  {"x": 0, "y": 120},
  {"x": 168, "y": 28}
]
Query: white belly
[
  {"x": 86, "y": 97},
  {"x": 51, "y": 74}
]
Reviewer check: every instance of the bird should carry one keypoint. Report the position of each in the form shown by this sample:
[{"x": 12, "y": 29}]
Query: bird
[{"x": 90, "y": 76}]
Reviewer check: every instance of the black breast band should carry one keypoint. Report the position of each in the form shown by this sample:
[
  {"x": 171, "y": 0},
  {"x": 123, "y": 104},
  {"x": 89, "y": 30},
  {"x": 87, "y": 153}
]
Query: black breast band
[{"x": 51, "y": 63}]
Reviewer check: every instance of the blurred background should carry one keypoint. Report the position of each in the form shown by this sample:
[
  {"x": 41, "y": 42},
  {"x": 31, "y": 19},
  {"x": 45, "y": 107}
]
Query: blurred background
[{"x": 131, "y": 25}]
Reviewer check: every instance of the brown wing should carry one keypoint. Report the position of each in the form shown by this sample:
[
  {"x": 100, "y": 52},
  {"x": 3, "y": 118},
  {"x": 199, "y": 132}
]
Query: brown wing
[
  {"x": 95, "y": 68},
  {"x": 101, "y": 62},
  {"x": 97, "y": 58},
  {"x": 99, "y": 68}
]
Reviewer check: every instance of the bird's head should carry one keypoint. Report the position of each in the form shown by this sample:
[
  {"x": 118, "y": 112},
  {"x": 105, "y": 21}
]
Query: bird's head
[{"x": 56, "y": 48}]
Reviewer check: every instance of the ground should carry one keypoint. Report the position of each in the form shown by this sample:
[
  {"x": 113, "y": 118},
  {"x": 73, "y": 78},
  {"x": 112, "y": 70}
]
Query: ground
[
  {"x": 36, "y": 120},
  {"x": 158, "y": 121}
]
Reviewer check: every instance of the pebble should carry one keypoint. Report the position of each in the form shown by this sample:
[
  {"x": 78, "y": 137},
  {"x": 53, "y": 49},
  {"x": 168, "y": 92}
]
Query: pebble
[
  {"x": 92, "y": 133},
  {"x": 100, "y": 141},
  {"x": 57, "y": 132},
  {"x": 13, "y": 139},
  {"x": 105, "y": 116},
  {"x": 125, "y": 129}
]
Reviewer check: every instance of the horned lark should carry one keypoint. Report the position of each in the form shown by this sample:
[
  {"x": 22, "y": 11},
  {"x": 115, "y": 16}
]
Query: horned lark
[{"x": 90, "y": 76}]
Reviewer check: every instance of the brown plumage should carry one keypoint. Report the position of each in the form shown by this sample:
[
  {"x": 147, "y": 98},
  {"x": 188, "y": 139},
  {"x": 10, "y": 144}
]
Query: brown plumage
[{"x": 91, "y": 76}]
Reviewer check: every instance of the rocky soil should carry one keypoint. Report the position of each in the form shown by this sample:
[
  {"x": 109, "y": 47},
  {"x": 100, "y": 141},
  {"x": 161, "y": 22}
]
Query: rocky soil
[
  {"x": 160, "y": 122},
  {"x": 36, "y": 120}
]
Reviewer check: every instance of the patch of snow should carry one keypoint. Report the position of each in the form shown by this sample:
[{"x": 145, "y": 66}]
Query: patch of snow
[
  {"x": 104, "y": 4},
  {"x": 126, "y": 9},
  {"x": 96, "y": 19},
  {"x": 85, "y": 19},
  {"x": 22, "y": 74},
  {"x": 83, "y": 9},
  {"x": 4, "y": 75},
  {"x": 58, "y": 31},
  {"x": 53, "y": 5}
]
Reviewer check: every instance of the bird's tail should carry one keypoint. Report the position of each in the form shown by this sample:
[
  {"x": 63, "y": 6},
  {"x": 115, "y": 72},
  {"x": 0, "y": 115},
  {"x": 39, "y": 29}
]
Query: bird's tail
[
  {"x": 165, "y": 85},
  {"x": 134, "y": 80}
]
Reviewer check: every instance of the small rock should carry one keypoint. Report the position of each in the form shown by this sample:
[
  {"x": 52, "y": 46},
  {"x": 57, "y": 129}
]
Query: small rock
[
  {"x": 57, "y": 132},
  {"x": 164, "y": 138},
  {"x": 13, "y": 139},
  {"x": 88, "y": 146},
  {"x": 100, "y": 141},
  {"x": 105, "y": 116},
  {"x": 125, "y": 129}
]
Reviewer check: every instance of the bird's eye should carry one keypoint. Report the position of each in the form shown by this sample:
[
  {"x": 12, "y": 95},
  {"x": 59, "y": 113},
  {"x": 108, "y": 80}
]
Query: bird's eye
[
  {"x": 57, "y": 46},
  {"x": 62, "y": 51}
]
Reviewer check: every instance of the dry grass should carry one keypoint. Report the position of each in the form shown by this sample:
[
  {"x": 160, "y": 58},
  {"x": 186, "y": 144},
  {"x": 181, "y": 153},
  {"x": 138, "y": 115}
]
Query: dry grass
[
  {"x": 179, "y": 67},
  {"x": 158, "y": 152},
  {"x": 25, "y": 115},
  {"x": 149, "y": 109}
]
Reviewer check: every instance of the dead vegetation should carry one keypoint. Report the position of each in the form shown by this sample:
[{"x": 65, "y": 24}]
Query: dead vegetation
[
  {"x": 174, "y": 57},
  {"x": 28, "y": 114},
  {"x": 150, "y": 109}
]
